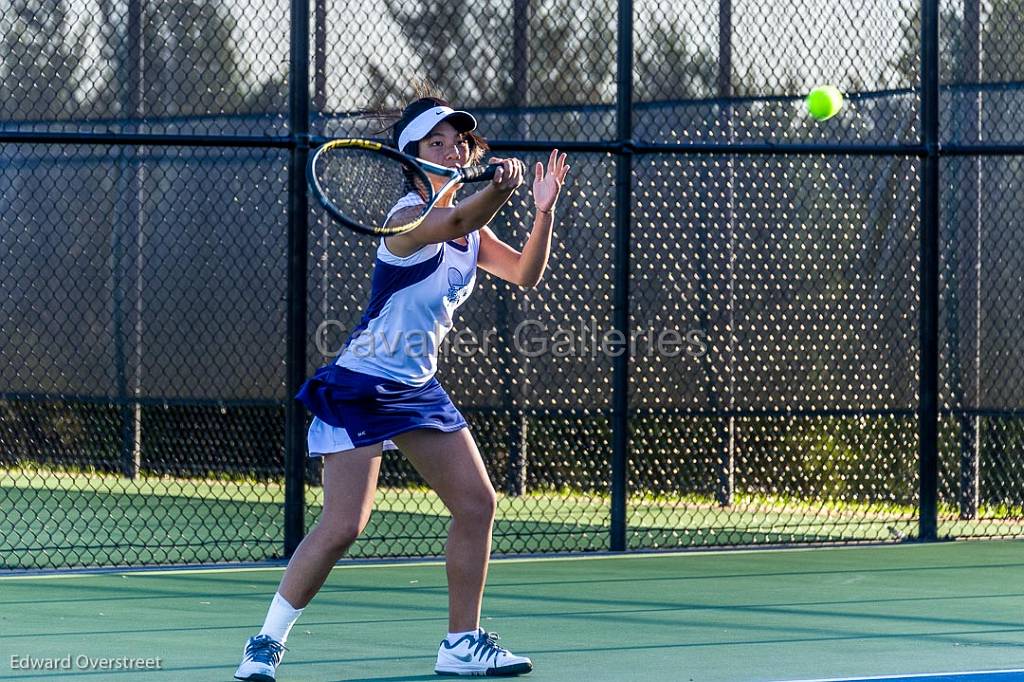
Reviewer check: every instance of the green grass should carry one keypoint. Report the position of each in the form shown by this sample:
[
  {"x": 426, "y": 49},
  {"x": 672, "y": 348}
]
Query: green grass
[{"x": 58, "y": 519}]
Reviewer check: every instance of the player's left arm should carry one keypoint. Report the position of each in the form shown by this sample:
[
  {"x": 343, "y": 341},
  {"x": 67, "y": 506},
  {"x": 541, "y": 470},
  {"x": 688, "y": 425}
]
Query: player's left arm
[{"x": 525, "y": 268}]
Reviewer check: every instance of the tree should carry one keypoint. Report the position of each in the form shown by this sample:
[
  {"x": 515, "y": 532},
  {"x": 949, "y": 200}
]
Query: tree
[
  {"x": 183, "y": 61},
  {"x": 1003, "y": 42},
  {"x": 571, "y": 54},
  {"x": 667, "y": 66},
  {"x": 40, "y": 65},
  {"x": 443, "y": 36},
  {"x": 191, "y": 64}
]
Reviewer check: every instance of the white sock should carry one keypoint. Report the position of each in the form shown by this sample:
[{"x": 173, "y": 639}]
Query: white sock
[
  {"x": 453, "y": 637},
  {"x": 280, "y": 618}
]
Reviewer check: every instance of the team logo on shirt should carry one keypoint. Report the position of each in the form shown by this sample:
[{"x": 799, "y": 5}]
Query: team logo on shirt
[{"x": 457, "y": 290}]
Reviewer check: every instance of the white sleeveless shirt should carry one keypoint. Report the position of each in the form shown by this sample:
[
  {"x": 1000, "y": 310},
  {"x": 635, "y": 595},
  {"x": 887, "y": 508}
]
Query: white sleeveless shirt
[{"x": 412, "y": 301}]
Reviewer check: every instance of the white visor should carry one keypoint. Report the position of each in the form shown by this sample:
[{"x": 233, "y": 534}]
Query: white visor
[{"x": 421, "y": 126}]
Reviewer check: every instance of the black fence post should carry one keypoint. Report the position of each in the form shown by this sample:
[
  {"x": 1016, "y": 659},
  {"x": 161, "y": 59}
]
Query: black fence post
[
  {"x": 516, "y": 436},
  {"x": 128, "y": 242},
  {"x": 726, "y": 440},
  {"x": 298, "y": 231},
  {"x": 928, "y": 408},
  {"x": 319, "y": 57},
  {"x": 620, "y": 300}
]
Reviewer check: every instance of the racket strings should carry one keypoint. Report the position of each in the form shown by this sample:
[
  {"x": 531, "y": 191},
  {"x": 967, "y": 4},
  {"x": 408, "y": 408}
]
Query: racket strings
[{"x": 364, "y": 186}]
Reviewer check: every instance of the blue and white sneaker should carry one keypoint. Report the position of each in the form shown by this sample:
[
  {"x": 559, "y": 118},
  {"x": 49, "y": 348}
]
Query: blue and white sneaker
[
  {"x": 260, "y": 659},
  {"x": 479, "y": 655}
]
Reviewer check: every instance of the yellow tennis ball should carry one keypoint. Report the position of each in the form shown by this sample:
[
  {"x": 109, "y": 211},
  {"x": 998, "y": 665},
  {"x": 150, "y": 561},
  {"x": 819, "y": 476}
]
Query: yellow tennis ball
[{"x": 824, "y": 102}]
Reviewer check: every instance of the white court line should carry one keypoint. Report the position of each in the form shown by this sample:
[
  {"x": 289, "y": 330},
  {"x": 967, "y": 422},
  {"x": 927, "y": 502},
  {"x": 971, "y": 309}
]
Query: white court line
[
  {"x": 918, "y": 676},
  {"x": 393, "y": 563}
]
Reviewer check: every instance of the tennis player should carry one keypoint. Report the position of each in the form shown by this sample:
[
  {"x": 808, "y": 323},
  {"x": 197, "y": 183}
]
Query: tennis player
[{"x": 378, "y": 394}]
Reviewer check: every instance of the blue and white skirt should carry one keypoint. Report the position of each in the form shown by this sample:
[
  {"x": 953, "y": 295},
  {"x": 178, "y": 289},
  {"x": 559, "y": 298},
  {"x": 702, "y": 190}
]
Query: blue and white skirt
[{"x": 353, "y": 409}]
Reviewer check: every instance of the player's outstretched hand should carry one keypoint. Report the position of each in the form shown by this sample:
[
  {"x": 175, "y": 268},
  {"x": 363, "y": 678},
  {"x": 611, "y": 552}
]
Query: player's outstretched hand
[{"x": 547, "y": 182}]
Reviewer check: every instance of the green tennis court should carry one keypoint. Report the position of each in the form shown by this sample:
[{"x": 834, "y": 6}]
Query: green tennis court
[{"x": 733, "y": 616}]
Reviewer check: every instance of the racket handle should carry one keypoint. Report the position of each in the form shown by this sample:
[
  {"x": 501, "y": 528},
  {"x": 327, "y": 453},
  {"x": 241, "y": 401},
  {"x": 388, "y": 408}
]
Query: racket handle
[{"x": 479, "y": 173}]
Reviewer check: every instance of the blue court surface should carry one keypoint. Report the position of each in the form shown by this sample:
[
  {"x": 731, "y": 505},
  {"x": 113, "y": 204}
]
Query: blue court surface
[{"x": 976, "y": 676}]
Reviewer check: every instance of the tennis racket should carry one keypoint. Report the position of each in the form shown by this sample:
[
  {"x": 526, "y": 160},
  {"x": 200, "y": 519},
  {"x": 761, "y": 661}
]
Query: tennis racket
[{"x": 359, "y": 181}]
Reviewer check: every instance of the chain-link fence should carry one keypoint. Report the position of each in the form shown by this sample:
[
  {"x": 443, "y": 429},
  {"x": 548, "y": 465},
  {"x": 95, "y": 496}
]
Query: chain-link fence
[{"x": 755, "y": 328}]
